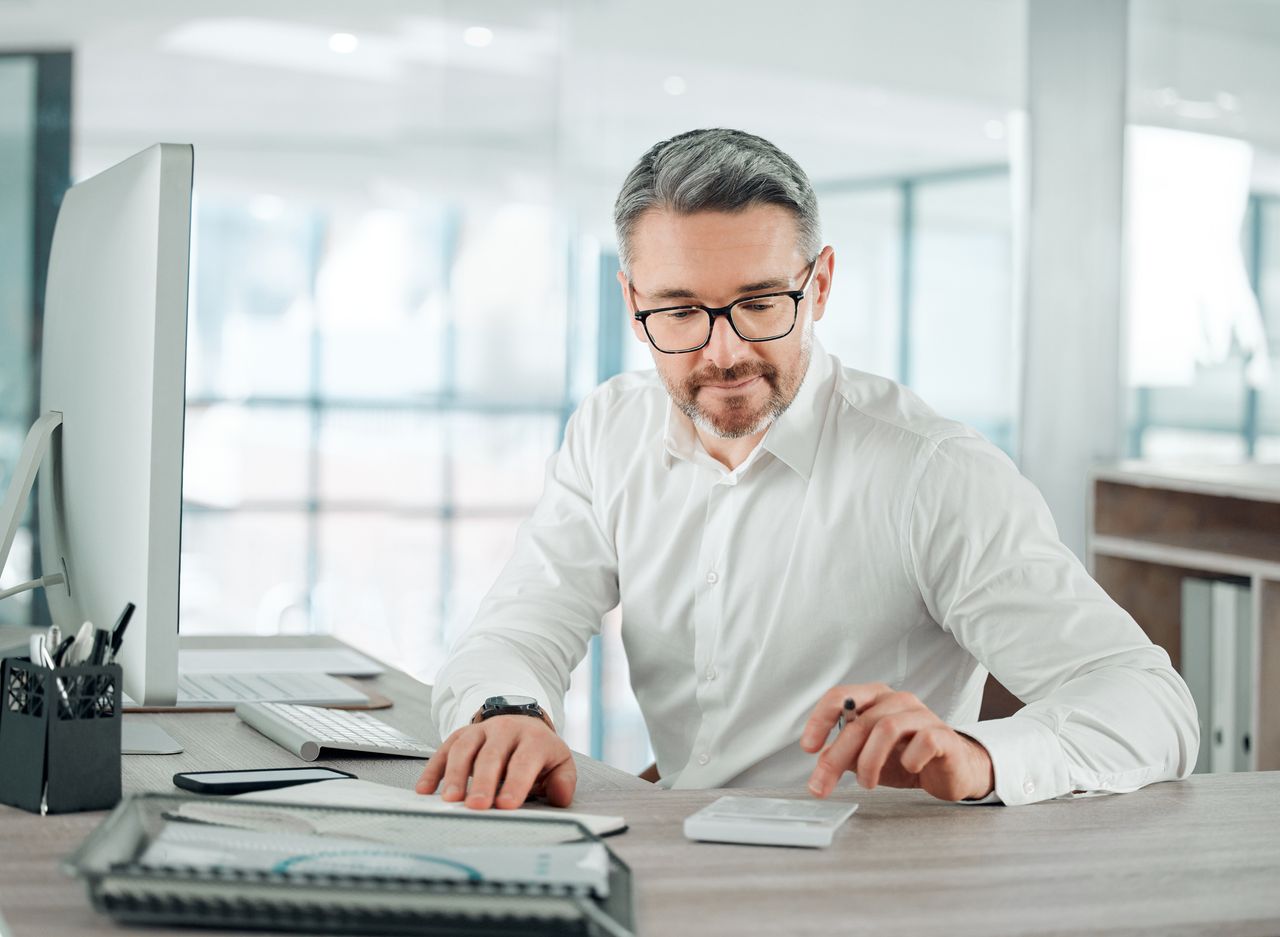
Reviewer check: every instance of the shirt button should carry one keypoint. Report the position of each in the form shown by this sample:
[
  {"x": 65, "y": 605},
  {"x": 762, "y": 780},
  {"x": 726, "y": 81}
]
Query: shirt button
[
  {"x": 703, "y": 758},
  {"x": 711, "y": 673},
  {"x": 712, "y": 579},
  {"x": 1029, "y": 788}
]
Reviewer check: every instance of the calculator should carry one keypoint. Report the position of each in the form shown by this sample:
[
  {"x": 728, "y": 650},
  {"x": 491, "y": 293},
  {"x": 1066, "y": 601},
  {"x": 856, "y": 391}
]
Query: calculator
[{"x": 768, "y": 821}]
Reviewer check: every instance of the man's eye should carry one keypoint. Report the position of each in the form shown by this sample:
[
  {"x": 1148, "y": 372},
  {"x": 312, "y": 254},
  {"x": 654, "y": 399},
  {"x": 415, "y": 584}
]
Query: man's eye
[{"x": 680, "y": 314}]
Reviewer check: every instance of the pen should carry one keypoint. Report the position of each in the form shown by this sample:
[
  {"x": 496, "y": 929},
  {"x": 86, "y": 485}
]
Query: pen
[
  {"x": 60, "y": 652},
  {"x": 101, "y": 641},
  {"x": 848, "y": 714},
  {"x": 117, "y": 633},
  {"x": 41, "y": 657}
]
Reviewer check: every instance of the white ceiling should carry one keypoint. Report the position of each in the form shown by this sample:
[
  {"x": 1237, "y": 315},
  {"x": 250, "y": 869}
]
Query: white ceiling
[{"x": 570, "y": 92}]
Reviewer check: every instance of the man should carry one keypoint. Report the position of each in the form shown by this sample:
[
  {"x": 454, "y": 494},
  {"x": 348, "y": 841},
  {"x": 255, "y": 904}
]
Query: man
[{"x": 784, "y": 535}]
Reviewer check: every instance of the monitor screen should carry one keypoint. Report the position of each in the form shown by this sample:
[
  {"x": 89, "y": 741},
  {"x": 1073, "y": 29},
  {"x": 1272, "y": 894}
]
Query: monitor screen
[{"x": 113, "y": 363}]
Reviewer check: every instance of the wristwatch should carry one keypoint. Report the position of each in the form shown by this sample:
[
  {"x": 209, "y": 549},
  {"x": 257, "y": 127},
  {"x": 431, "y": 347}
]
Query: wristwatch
[{"x": 511, "y": 706}]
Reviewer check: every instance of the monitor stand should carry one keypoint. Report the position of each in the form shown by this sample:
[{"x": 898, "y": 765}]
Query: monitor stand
[{"x": 142, "y": 737}]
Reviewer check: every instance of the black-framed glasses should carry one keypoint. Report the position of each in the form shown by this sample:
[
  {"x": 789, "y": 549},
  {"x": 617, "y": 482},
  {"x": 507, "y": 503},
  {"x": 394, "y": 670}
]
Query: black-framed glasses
[{"x": 678, "y": 330}]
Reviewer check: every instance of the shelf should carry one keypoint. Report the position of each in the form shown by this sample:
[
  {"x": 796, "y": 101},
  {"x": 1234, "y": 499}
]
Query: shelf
[
  {"x": 1251, "y": 481},
  {"x": 1192, "y": 552}
]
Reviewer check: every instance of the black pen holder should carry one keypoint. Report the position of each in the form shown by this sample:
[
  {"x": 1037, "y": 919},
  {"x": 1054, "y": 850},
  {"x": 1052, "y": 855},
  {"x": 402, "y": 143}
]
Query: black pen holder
[{"x": 60, "y": 736}]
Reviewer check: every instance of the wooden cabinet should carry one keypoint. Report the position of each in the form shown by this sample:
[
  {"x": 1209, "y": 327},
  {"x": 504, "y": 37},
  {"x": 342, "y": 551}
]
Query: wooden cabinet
[{"x": 1151, "y": 525}]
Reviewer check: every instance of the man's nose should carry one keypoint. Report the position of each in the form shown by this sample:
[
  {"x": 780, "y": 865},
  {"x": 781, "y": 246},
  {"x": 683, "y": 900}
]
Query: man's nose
[{"x": 725, "y": 348}]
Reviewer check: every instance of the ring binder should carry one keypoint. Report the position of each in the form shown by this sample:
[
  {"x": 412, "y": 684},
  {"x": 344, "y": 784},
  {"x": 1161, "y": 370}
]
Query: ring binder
[{"x": 59, "y": 736}]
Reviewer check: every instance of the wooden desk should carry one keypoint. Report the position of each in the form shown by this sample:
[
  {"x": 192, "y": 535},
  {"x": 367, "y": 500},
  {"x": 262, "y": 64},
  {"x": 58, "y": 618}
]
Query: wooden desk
[{"x": 1198, "y": 856}]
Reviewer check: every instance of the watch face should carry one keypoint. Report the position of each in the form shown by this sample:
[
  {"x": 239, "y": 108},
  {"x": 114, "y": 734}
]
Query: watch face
[{"x": 509, "y": 702}]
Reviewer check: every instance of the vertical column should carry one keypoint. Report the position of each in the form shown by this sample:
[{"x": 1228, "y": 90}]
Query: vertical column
[{"x": 1072, "y": 403}]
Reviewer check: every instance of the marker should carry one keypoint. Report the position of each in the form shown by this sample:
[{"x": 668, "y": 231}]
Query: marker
[
  {"x": 848, "y": 714},
  {"x": 117, "y": 633}
]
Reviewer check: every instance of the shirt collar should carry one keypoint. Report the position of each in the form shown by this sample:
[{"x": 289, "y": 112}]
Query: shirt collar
[{"x": 793, "y": 437}]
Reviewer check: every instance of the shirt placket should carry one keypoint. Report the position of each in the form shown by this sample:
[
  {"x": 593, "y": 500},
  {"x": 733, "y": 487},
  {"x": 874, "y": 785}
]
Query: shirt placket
[{"x": 712, "y": 577}]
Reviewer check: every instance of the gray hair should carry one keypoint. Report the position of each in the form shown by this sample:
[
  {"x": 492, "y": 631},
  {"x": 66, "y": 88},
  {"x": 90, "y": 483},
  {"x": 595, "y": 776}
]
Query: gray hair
[{"x": 715, "y": 170}]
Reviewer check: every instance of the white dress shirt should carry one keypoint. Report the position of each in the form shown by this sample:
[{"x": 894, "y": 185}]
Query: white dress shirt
[{"x": 864, "y": 539}]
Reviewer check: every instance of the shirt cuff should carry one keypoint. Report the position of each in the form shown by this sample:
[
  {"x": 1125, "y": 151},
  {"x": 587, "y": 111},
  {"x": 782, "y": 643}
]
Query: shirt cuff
[{"x": 1027, "y": 759}]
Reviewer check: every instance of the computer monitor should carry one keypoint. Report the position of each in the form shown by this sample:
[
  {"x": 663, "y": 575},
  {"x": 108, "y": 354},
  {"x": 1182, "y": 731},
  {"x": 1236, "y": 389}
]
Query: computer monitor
[{"x": 113, "y": 364}]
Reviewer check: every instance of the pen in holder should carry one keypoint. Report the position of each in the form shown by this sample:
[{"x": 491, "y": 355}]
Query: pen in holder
[{"x": 59, "y": 736}]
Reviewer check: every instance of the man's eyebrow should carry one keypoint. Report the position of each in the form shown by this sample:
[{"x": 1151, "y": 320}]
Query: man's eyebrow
[{"x": 777, "y": 283}]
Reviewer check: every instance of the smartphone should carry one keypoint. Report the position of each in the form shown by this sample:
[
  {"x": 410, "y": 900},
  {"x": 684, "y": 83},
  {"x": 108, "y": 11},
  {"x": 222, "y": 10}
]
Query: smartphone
[{"x": 254, "y": 779}]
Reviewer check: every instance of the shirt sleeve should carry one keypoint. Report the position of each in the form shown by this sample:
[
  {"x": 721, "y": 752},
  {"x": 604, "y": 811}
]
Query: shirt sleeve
[
  {"x": 1105, "y": 710},
  {"x": 534, "y": 625}
]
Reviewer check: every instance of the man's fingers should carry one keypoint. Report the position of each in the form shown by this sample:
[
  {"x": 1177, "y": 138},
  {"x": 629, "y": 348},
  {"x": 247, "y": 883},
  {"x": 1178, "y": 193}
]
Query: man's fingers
[
  {"x": 884, "y": 737},
  {"x": 522, "y": 772},
  {"x": 924, "y": 747},
  {"x": 838, "y": 757},
  {"x": 844, "y": 753},
  {"x": 433, "y": 771},
  {"x": 828, "y": 710},
  {"x": 560, "y": 783},
  {"x": 490, "y": 764},
  {"x": 458, "y": 768}
]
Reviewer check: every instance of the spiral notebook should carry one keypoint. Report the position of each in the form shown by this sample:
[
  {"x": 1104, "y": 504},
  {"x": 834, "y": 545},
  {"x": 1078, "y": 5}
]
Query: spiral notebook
[{"x": 338, "y": 870}]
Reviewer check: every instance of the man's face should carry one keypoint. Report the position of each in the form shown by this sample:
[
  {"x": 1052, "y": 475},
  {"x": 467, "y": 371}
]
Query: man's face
[{"x": 731, "y": 388}]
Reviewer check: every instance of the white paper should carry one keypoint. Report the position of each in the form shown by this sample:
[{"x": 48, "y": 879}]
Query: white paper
[
  {"x": 580, "y": 867},
  {"x": 357, "y": 793},
  {"x": 338, "y": 661}
]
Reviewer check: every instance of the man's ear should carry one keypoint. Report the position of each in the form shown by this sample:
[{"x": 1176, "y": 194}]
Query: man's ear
[
  {"x": 636, "y": 328},
  {"x": 821, "y": 288}
]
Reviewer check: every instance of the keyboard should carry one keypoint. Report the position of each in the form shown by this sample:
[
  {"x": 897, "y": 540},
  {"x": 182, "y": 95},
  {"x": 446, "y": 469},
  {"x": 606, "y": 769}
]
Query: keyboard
[
  {"x": 196, "y": 690},
  {"x": 307, "y": 730},
  {"x": 768, "y": 821},
  {"x": 225, "y": 690}
]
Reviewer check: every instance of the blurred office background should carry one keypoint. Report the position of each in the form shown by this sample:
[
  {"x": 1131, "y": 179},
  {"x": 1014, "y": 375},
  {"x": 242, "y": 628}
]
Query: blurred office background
[{"x": 403, "y": 261}]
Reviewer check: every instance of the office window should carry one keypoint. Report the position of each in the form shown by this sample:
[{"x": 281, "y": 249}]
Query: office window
[
  {"x": 17, "y": 380},
  {"x": 1263, "y": 251},
  {"x": 963, "y": 337},
  {"x": 863, "y": 323},
  {"x": 1218, "y": 415},
  {"x": 924, "y": 290},
  {"x": 35, "y": 151}
]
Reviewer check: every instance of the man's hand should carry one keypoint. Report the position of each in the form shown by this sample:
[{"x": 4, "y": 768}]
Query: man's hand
[
  {"x": 506, "y": 757},
  {"x": 897, "y": 741}
]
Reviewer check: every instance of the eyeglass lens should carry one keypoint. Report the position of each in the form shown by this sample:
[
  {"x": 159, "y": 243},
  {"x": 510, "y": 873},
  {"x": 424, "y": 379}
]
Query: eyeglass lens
[{"x": 759, "y": 318}]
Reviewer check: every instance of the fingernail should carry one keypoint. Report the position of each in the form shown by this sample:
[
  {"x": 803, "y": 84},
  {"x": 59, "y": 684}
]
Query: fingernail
[
  {"x": 451, "y": 792},
  {"x": 507, "y": 800}
]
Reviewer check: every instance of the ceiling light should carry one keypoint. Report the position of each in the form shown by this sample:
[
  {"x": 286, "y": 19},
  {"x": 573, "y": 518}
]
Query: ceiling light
[
  {"x": 343, "y": 43},
  {"x": 1227, "y": 101},
  {"x": 477, "y": 36},
  {"x": 674, "y": 85},
  {"x": 994, "y": 129}
]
